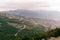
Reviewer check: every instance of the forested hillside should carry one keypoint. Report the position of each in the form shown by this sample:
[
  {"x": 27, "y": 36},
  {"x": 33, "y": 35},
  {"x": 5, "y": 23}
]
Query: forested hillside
[{"x": 15, "y": 28}]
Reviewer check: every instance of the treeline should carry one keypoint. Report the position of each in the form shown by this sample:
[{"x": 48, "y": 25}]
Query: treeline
[{"x": 40, "y": 36}]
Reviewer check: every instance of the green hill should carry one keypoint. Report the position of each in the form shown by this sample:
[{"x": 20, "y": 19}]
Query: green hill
[{"x": 10, "y": 25}]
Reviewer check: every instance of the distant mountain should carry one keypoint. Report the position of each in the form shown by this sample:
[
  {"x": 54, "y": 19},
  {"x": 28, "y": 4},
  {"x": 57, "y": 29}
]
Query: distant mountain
[{"x": 36, "y": 14}]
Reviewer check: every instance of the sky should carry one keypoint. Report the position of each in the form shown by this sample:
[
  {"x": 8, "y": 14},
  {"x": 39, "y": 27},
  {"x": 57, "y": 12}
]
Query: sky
[{"x": 30, "y": 5}]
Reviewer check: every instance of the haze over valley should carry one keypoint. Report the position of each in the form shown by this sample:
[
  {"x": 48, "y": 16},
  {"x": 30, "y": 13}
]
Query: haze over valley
[{"x": 43, "y": 14}]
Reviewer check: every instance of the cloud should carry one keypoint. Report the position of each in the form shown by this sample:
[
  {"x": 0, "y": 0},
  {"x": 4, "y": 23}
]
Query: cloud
[
  {"x": 22, "y": 4},
  {"x": 30, "y": 4}
]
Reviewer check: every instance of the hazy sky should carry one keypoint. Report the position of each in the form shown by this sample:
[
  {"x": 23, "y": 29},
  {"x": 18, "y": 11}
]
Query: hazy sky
[{"x": 30, "y": 4}]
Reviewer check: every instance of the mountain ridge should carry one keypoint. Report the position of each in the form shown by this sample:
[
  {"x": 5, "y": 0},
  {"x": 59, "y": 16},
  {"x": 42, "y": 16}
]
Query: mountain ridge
[{"x": 35, "y": 14}]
